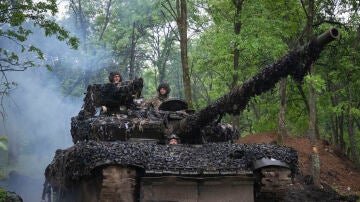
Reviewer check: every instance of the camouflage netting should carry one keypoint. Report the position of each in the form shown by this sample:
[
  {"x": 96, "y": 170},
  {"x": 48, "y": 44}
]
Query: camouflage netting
[
  {"x": 111, "y": 128},
  {"x": 80, "y": 160},
  {"x": 143, "y": 123},
  {"x": 110, "y": 95},
  {"x": 295, "y": 63}
]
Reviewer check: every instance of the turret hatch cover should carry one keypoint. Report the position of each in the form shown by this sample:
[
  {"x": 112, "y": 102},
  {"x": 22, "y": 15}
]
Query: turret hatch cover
[{"x": 173, "y": 104}]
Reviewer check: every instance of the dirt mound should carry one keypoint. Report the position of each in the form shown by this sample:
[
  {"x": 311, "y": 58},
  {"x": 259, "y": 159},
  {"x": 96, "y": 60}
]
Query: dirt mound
[
  {"x": 311, "y": 193},
  {"x": 338, "y": 173}
]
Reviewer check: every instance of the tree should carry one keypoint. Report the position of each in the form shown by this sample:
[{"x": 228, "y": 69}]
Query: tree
[
  {"x": 179, "y": 15},
  {"x": 285, "y": 14},
  {"x": 312, "y": 103},
  {"x": 126, "y": 33},
  {"x": 237, "y": 29},
  {"x": 15, "y": 20},
  {"x": 161, "y": 41}
]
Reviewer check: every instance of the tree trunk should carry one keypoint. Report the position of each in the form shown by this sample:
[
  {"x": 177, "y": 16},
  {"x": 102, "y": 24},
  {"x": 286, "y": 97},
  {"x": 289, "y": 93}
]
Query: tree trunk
[
  {"x": 333, "y": 127},
  {"x": 312, "y": 103},
  {"x": 179, "y": 14},
  {"x": 255, "y": 109},
  {"x": 282, "y": 110},
  {"x": 161, "y": 67},
  {"x": 357, "y": 121},
  {"x": 237, "y": 28},
  {"x": 312, "y": 134},
  {"x": 182, "y": 26},
  {"x": 341, "y": 133},
  {"x": 358, "y": 124},
  {"x": 334, "y": 123},
  {"x": 179, "y": 84},
  {"x": 353, "y": 150},
  {"x": 304, "y": 98},
  {"x": 132, "y": 54},
  {"x": 354, "y": 155},
  {"x": 337, "y": 129},
  {"x": 282, "y": 92},
  {"x": 164, "y": 56}
]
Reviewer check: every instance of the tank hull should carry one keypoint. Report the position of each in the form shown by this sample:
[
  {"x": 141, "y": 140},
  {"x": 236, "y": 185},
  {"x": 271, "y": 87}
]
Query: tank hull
[{"x": 141, "y": 170}]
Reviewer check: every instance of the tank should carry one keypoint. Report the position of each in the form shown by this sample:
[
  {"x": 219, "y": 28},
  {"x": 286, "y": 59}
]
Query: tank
[{"x": 125, "y": 154}]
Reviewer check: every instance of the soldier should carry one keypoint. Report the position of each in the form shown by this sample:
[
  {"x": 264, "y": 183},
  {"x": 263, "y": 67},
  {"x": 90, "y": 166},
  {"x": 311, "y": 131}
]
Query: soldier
[
  {"x": 163, "y": 92},
  {"x": 173, "y": 139},
  {"x": 115, "y": 78}
]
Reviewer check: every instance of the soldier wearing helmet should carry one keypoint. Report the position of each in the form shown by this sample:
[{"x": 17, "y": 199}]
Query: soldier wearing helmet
[
  {"x": 173, "y": 139},
  {"x": 163, "y": 91},
  {"x": 115, "y": 77}
]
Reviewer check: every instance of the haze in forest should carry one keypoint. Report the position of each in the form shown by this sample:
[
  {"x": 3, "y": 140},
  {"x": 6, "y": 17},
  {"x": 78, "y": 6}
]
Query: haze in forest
[
  {"x": 37, "y": 123},
  {"x": 36, "y": 119},
  {"x": 145, "y": 37}
]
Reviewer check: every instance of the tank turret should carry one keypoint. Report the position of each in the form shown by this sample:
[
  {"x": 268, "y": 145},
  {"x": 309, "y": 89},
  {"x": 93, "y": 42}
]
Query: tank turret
[{"x": 123, "y": 154}]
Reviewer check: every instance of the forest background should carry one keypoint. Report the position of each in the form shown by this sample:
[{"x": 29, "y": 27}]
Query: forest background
[{"x": 202, "y": 48}]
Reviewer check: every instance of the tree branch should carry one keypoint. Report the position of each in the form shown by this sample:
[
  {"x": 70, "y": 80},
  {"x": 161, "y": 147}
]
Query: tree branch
[
  {"x": 303, "y": 6},
  {"x": 107, "y": 18},
  {"x": 170, "y": 10},
  {"x": 328, "y": 21}
]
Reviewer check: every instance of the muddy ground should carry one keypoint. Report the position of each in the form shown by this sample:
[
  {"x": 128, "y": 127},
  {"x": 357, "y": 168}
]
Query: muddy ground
[{"x": 340, "y": 179}]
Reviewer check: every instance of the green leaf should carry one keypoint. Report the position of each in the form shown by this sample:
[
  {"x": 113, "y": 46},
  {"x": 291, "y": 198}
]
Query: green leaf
[
  {"x": 37, "y": 50},
  {"x": 48, "y": 67},
  {"x": 17, "y": 18},
  {"x": 3, "y": 146},
  {"x": 2, "y": 140},
  {"x": 14, "y": 57},
  {"x": 355, "y": 112}
]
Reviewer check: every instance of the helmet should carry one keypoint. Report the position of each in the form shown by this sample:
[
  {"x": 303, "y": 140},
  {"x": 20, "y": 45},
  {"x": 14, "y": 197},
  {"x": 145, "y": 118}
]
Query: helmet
[
  {"x": 173, "y": 136},
  {"x": 166, "y": 86},
  {"x": 111, "y": 76}
]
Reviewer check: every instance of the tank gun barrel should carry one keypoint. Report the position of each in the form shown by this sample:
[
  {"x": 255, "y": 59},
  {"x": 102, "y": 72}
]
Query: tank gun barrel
[
  {"x": 295, "y": 63},
  {"x": 327, "y": 37}
]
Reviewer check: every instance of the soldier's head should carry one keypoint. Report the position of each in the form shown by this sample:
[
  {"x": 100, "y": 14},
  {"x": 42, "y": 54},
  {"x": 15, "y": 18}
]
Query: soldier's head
[
  {"x": 173, "y": 139},
  {"x": 115, "y": 77},
  {"x": 163, "y": 89}
]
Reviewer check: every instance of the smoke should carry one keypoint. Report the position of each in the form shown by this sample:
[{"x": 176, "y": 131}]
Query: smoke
[
  {"x": 38, "y": 114},
  {"x": 37, "y": 123}
]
